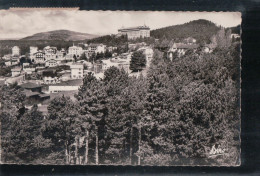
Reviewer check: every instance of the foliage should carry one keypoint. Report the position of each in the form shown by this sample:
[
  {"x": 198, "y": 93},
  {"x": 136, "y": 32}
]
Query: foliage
[
  {"x": 138, "y": 61},
  {"x": 201, "y": 30},
  {"x": 175, "y": 114}
]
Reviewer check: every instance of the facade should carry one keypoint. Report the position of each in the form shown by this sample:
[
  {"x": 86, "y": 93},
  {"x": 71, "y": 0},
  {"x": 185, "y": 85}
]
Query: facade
[
  {"x": 50, "y": 49},
  {"x": 16, "y": 71},
  {"x": 60, "y": 55},
  {"x": 135, "y": 32},
  {"x": 180, "y": 49},
  {"x": 39, "y": 57},
  {"x": 15, "y": 51},
  {"x": 28, "y": 69},
  {"x": 76, "y": 71},
  {"x": 75, "y": 50},
  {"x": 50, "y": 56},
  {"x": 51, "y": 63},
  {"x": 96, "y": 48},
  {"x": 70, "y": 85}
]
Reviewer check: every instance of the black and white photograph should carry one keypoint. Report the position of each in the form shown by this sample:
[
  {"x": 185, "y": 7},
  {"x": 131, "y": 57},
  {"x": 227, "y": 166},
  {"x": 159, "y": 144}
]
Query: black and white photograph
[{"x": 148, "y": 88}]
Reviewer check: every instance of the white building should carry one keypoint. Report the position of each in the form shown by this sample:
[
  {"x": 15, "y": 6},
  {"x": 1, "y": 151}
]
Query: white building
[
  {"x": 16, "y": 71},
  {"x": 70, "y": 85},
  {"x": 96, "y": 48},
  {"x": 135, "y": 32},
  {"x": 51, "y": 63},
  {"x": 75, "y": 50},
  {"x": 50, "y": 49},
  {"x": 38, "y": 57},
  {"x": 50, "y": 56},
  {"x": 15, "y": 51},
  {"x": 76, "y": 71},
  {"x": 28, "y": 69}
]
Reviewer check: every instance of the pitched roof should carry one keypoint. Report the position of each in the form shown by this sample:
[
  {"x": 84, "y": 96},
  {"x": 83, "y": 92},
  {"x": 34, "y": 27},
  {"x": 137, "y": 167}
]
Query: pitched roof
[
  {"x": 30, "y": 85},
  {"x": 44, "y": 95},
  {"x": 134, "y": 28},
  {"x": 74, "y": 82},
  {"x": 49, "y": 73},
  {"x": 29, "y": 93}
]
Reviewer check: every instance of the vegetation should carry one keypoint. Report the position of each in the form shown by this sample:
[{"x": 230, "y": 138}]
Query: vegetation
[
  {"x": 175, "y": 115},
  {"x": 138, "y": 61},
  {"x": 201, "y": 30}
]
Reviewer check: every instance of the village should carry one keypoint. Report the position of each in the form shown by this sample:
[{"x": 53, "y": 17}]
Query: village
[{"x": 49, "y": 73}]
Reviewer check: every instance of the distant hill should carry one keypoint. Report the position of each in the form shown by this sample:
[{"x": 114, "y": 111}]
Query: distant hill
[
  {"x": 201, "y": 30},
  {"x": 65, "y": 35},
  {"x": 235, "y": 30}
]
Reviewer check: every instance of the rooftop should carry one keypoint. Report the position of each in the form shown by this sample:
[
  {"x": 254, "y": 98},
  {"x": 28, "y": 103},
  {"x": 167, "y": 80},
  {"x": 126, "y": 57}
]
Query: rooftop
[
  {"x": 134, "y": 28},
  {"x": 29, "y": 93},
  {"x": 30, "y": 85},
  {"x": 74, "y": 82}
]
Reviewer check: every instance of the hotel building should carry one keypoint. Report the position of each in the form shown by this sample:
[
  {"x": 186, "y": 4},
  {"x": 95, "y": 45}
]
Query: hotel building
[{"x": 135, "y": 32}]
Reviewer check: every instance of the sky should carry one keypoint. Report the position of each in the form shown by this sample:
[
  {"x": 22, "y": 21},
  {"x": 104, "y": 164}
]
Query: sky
[{"x": 19, "y": 23}]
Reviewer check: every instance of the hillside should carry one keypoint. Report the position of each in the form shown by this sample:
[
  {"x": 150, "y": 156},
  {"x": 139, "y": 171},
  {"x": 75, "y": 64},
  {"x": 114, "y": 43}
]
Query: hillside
[
  {"x": 60, "y": 35},
  {"x": 201, "y": 30}
]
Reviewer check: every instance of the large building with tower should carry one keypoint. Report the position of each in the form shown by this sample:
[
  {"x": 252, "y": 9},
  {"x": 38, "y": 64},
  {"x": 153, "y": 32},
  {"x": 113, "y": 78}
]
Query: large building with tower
[{"x": 135, "y": 32}]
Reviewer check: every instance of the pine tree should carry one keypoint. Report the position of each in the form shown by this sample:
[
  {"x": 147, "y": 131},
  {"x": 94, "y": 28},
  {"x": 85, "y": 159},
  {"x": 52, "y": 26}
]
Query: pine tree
[
  {"x": 138, "y": 61},
  {"x": 92, "y": 100},
  {"x": 60, "y": 125}
]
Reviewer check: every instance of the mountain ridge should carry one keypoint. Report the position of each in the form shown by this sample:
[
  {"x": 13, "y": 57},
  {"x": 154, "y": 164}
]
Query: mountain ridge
[{"x": 62, "y": 34}]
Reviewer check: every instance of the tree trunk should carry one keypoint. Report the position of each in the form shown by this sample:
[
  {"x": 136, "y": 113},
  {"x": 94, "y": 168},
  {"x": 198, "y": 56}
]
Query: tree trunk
[
  {"x": 0, "y": 141},
  {"x": 86, "y": 152},
  {"x": 96, "y": 144},
  {"x": 76, "y": 150},
  {"x": 69, "y": 154},
  {"x": 66, "y": 152},
  {"x": 139, "y": 145},
  {"x": 131, "y": 145}
]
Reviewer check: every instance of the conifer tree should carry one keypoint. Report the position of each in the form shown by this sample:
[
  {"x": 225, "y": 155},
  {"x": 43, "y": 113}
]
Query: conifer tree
[{"x": 138, "y": 61}]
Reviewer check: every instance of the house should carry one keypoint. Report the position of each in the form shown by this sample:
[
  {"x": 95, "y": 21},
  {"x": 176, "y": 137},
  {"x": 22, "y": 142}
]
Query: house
[
  {"x": 16, "y": 71},
  {"x": 32, "y": 87},
  {"x": 179, "y": 49},
  {"x": 7, "y": 57},
  {"x": 50, "y": 49},
  {"x": 50, "y": 56},
  {"x": 96, "y": 48},
  {"x": 17, "y": 79},
  {"x": 70, "y": 85},
  {"x": 51, "y": 63},
  {"x": 15, "y": 51},
  {"x": 60, "y": 56},
  {"x": 76, "y": 71},
  {"x": 11, "y": 62},
  {"x": 75, "y": 50},
  {"x": 34, "y": 97},
  {"x": 28, "y": 69},
  {"x": 38, "y": 57},
  {"x": 50, "y": 77}
]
